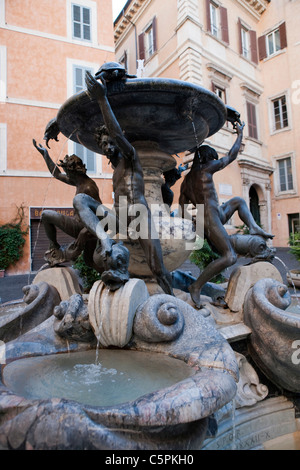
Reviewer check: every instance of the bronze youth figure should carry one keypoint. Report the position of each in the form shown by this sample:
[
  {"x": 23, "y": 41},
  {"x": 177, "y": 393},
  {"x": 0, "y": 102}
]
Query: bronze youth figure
[
  {"x": 75, "y": 175},
  {"x": 198, "y": 188},
  {"x": 128, "y": 182}
]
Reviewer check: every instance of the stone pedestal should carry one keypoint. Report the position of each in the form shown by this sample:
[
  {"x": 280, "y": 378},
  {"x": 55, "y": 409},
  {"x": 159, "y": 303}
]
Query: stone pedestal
[
  {"x": 62, "y": 278},
  {"x": 248, "y": 428},
  {"x": 243, "y": 278},
  {"x": 111, "y": 313}
]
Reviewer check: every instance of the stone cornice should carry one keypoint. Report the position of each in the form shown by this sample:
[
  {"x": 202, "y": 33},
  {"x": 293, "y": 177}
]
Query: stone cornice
[
  {"x": 131, "y": 9},
  {"x": 256, "y": 7},
  {"x": 247, "y": 163}
]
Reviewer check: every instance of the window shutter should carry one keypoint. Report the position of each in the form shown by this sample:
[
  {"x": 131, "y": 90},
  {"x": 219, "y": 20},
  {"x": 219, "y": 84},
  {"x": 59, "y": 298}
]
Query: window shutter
[
  {"x": 78, "y": 149},
  {"x": 90, "y": 161},
  {"x": 76, "y": 21},
  {"x": 253, "y": 43},
  {"x": 240, "y": 36},
  {"x": 86, "y": 24},
  {"x": 208, "y": 22},
  {"x": 262, "y": 47},
  {"x": 283, "y": 37},
  {"x": 252, "y": 126},
  {"x": 224, "y": 24},
  {"x": 78, "y": 79},
  {"x": 154, "y": 30},
  {"x": 142, "y": 46}
]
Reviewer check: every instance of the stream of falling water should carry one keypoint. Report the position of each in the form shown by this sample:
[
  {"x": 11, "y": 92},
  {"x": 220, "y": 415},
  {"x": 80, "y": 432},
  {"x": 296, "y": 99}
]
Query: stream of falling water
[
  {"x": 195, "y": 133},
  {"x": 290, "y": 277},
  {"x": 233, "y": 444},
  {"x": 97, "y": 350}
]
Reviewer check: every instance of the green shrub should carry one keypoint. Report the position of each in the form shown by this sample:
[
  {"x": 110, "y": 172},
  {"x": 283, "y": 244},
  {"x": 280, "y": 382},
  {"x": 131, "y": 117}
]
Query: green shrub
[
  {"x": 87, "y": 274},
  {"x": 294, "y": 243},
  {"x": 202, "y": 257},
  {"x": 12, "y": 240}
]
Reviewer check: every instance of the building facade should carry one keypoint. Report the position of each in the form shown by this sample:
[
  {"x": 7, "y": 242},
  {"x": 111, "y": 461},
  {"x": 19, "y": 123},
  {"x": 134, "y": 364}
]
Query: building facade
[
  {"x": 280, "y": 39},
  {"x": 45, "y": 48},
  {"x": 245, "y": 51}
]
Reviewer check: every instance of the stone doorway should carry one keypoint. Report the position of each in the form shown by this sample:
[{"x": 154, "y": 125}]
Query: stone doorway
[{"x": 254, "y": 204}]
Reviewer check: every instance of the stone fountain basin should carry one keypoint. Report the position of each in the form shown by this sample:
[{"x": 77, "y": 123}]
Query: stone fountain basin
[
  {"x": 149, "y": 109},
  {"x": 178, "y": 411}
]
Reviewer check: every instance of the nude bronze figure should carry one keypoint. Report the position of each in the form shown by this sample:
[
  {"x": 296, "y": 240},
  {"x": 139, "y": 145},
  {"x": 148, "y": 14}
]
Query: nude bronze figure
[
  {"x": 198, "y": 188},
  {"x": 114, "y": 268},
  {"x": 171, "y": 176},
  {"x": 128, "y": 186},
  {"x": 74, "y": 175}
]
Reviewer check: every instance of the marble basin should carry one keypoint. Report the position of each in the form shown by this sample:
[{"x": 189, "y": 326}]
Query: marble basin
[
  {"x": 173, "y": 414},
  {"x": 164, "y": 111}
]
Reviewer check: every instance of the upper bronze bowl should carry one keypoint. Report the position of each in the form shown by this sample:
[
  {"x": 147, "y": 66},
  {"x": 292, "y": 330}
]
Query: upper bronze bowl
[{"x": 166, "y": 111}]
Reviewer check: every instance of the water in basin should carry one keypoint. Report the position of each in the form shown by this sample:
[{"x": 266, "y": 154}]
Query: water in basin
[
  {"x": 118, "y": 377},
  {"x": 294, "y": 306}
]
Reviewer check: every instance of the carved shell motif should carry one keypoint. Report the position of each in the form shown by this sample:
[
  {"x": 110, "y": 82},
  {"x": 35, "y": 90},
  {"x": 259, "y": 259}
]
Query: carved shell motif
[{"x": 158, "y": 319}]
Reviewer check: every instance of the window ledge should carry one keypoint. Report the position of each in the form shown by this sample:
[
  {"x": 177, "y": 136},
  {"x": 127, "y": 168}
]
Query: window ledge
[
  {"x": 279, "y": 131},
  {"x": 249, "y": 61},
  {"x": 286, "y": 194},
  {"x": 276, "y": 54},
  {"x": 150, "y": 58},
  {"x": 217, "y": 39},
  {"x": 252, "y": 139}
]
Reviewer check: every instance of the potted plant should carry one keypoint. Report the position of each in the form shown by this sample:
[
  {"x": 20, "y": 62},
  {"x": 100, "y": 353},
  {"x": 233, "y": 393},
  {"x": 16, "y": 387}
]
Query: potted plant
[
  {"x": 12, "y": 240},
  {"x": 293, "y": 276}
]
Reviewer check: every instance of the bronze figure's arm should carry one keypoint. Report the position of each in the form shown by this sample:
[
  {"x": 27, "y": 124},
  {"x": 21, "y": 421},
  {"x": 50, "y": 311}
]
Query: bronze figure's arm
[
  {"x": 233, "y": 152},
  {"x": 52, "y": 167},
  {"x": 98, "y": 91}
]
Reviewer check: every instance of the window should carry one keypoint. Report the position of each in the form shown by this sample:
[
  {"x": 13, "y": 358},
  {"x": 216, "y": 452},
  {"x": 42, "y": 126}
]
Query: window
[
  {"x": 248, "y": 42},
  {"x": 3, "y": 148},
  {"x": 81, "y": 22},
  {"x": 87, "y": 156},
  {"x": 220, "y": 92},
  {"x": 294, "y": 223},
  {"x": 148, "y": 41},
  {"x": 252, "y": 123},
  {"x": 217, "y": 21},
  {"x": 285, "y": 174},
  {"x": 272, "y": 42},
  {"x": 79, "y": 78},
  {"x": 214, "y": 20},
  {"x": 280, "y": 115},
  {"x": 124, "y": 60},
  {"x": 2, "y": 73},
  {"x": 245, "y": 43}
]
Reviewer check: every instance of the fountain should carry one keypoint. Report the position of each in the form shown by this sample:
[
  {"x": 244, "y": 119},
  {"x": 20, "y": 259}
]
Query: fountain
[{"x": 129, "y": 366}]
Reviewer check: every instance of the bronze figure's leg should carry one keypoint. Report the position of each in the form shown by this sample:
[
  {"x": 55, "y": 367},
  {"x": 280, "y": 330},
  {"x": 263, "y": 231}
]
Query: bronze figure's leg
[
  {"x": 52, "y": 220},
  {"x": 219, "y": 238},
  {"x": 153, "y": 253},
  {"x": 238, "y": 204}
]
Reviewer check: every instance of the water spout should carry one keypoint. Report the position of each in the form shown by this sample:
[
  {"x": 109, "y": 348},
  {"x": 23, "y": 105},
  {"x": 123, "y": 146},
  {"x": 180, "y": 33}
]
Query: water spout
[
  {"x": 292, "y": 282},
  {"x": 233, "y": 445},
  {"x": 195, "y": 133}
]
